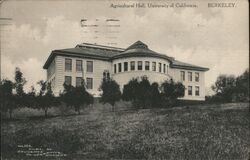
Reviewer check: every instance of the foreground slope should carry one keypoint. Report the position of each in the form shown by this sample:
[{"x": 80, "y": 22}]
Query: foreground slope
[{"x": 188, "y": 132}]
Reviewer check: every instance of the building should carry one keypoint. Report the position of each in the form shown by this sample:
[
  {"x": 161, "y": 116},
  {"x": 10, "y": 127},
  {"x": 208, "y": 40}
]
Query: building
[{"x": 92, "y": 62}]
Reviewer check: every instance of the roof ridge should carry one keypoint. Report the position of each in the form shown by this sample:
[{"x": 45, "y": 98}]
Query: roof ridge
[{"x": 91, "y": 45}]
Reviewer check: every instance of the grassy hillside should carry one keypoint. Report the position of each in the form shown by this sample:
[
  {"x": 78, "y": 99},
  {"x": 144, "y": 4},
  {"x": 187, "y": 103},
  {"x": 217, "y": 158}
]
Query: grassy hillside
[{"x": 188, "y": 132}]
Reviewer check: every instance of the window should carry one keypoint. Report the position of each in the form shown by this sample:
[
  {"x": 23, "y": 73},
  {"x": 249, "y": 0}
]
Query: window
[
  {"x": 159, "y": 67},
  {"x": 197, "y": 77},
  {"x": 68, "y": 80},
  {"x": 147, "y": 65},
  {"x": 78, "y": 81},
  {"x": 68, "y": 64},
  {"x": 190, "y": 90},
  {"x": 125, "y": 66},
  {"x": 164, "y": 68},
  {"x": 139, "y": 65},
  {"x": 190, "y": 76},
  {"x": 182, "y": 75},
  {"x": 197, "y": 90},
  {"x": 114, "y": 68},
  {"x": 89, "y": 66},
  {"x": 119, "y": 67},
  {"x": 132, "y": 65},
  {"x": 78, "y": 65},
  {"x": 153, "y": 66},
  {"x": 89, "y": 83}
]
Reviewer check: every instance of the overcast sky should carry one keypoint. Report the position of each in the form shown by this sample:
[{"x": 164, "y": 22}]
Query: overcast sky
[{"x": 216, "y": 38}]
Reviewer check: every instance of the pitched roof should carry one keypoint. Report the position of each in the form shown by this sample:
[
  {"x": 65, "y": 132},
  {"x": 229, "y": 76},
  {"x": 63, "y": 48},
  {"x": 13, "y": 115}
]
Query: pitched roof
[
  {"x": 85, "y": 50},
  {"x": 183, "y": 65},
  {"x": 140, "y": 49},
  {"x": 137, "y": 49},
  {"x": 137, "y": 45}
]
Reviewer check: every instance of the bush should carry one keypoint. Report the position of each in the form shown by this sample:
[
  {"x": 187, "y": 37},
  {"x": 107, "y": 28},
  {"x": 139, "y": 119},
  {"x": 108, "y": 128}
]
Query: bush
[
  {"x": 171, "y": 91},
  {"x": 110, "y": 92},
  {"x": 77, "y": 97},
  {"x": 130, "y": 90},
  {"x": 229, "y": 88},
  {"x": 142, "y": 93}
]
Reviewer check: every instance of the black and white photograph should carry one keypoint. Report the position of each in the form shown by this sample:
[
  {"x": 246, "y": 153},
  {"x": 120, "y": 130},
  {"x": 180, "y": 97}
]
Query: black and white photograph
[{"x": 124, "y": 80}]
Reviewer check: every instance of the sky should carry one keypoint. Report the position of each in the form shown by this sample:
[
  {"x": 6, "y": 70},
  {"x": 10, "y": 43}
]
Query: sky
[{"x": 216, "y": 38}]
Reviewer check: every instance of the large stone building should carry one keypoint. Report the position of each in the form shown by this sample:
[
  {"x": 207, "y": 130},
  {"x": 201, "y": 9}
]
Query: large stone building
[{"x": 92, "y": 62}]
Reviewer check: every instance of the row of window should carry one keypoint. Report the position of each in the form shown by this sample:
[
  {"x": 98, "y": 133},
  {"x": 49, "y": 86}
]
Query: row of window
[
  {"x": 79, "y": 66},
  {"x": 190, "y": 76},
  {"x": 190, "y": 90},
  {"x": 89, "y": 84},
  {"x": 163, "y": 68},
  {"x": 79, "y": 81}
]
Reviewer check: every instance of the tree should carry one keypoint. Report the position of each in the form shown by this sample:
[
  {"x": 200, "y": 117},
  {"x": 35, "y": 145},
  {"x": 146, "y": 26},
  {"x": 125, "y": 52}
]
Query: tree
[
  {"x": 19, "y": 98},
  {"x": 76, "y": 97},
  {"x": 130, "y": 90},
  {"x": 154, "y": 96},
  {"x": 10, "y": 100},
  {"x": 7, "y": 99},
  {"x": 46, "y": 98},
  {"x": 141, "y": 93},
  {"x": 172, "y": 90},
  {"x": 30, "y": 98},
  {"x": 229, "y": 88},
  {"x": 242, "y": 87},
  {"x": 80, "y": 98},
  {"x": 225, "y": 87},
  {"x": 110, "y": 92},
  {"x": 19, "y": 82},
  {"x": 68, "y": 95}
]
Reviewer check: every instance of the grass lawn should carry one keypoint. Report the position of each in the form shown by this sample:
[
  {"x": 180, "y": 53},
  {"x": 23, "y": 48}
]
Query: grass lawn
[{"x": 188, "y": 132}]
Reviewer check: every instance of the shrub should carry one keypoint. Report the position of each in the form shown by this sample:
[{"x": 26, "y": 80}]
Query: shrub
[
  {"x": 229, "y": 88},
  {"x": 7, "y": 99},
  {"x": 110, "y": 92},
  {"x": 154, "y": 96},
  {"x": 171, "y": 91},
  {"x": 76, "y": 97},
  {"x": 142, "y": 93},
  {"x": 130, "y": 90}
]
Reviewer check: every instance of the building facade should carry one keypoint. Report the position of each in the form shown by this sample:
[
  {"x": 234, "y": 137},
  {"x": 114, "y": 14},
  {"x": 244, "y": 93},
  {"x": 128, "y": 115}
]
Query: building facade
[{"x": 90, "y": 62}]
